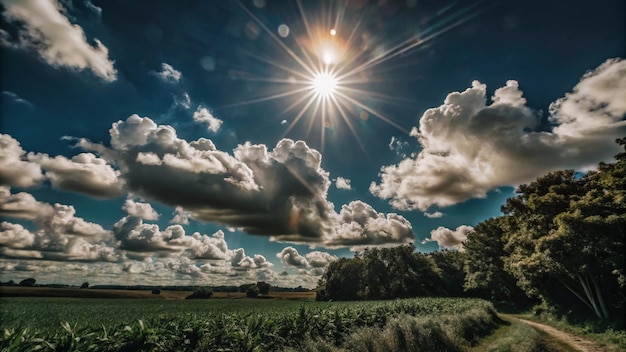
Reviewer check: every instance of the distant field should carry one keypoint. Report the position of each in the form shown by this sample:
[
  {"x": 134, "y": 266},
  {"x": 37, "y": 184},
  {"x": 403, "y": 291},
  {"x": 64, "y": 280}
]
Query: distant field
[
  {"x": 235, "y": 324},
  {"x": 72, "y": 292}
]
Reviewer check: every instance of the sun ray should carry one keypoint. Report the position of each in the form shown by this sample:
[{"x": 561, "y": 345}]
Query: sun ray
[
  {"x": 266, "y": 98},
  {"x": 374, "y": 112},
  {"x": 332, "y": 69}
]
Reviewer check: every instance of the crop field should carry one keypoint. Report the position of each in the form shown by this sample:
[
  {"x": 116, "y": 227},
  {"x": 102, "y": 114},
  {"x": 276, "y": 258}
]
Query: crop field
[{"x": 75, "y": 324}]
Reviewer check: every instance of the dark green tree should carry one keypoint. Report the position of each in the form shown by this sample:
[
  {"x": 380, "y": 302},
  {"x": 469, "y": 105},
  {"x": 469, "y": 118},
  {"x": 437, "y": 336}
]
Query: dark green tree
[
  {"x": 264, "y": 287},
  {"x": 566, "y": 242},
  {"x": 341, "y": 280},
  {"x": 485, "y": 276},
  {"x": 28, "y": 282},
  {"x": 381, "y": 273},
  {"x": 450, "y": 265},
  {"x": 253, "y": 291},
  {"x": 85, "y": 285}
]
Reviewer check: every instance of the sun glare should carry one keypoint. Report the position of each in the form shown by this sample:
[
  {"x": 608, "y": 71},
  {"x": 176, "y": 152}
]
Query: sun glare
[
  {"x": 328, "y": 61},
  {"x": 324, "y": 84}
]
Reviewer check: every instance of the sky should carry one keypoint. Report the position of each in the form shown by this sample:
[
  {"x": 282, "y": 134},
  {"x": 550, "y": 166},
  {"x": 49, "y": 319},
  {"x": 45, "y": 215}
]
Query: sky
[{"x": 228, "y": 142}]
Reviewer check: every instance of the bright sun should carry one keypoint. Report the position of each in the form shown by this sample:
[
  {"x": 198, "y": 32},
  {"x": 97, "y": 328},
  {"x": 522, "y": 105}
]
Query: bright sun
[{"x": 324, "y": 84}]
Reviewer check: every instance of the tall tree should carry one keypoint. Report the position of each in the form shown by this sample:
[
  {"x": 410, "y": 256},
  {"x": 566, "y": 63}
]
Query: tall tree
[
  {"x": 566, "y": 242},
  {"x": 484, "y": 254},
  {"x": 450, "y": 265}
]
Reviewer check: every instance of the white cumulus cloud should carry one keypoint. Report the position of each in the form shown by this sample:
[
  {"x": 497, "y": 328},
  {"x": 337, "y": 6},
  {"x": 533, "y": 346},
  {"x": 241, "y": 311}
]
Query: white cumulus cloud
[
  {"x": 43, "y": 27},
  {"x": 450, "y": 239},
  {"x": 343, "y": 183},
  {"x": 471, "y": 147},
  {"x": 203, "y": 115},
  {"x": 169, "y": 73}
]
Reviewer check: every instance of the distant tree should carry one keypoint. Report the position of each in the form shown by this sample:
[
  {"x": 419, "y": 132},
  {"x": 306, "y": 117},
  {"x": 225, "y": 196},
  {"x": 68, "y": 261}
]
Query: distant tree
[
  {"x": 200, "y": 293},
  {"x": 85, "y": 285},
  {"x": 341, "y": 280},
  {"x": 156, "y": 291},
  {"x": 252, "y": 292},
  {"x": 264, "y": 287},
  {"x": 381, "y": 273},
  {"x": 28, "y": 282}
]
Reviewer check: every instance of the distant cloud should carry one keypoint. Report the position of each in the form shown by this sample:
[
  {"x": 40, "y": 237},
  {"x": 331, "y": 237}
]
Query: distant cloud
[
  {"x": 15, "y": 168},
  {"x": 283, "y": 122},
  {"x": 140, "y": 210},
  {"x": 450, "y": 239},
  {"x": 290, "y": 256},
  {"x": 85, "y": 173},
  {"x": 398, "y": 145},
  {"x": 59, "y": 234},
  {"x": 169, "y": 74},
  {"x": 182, "y": 100},
  {"x": 433, "y": 215},
  {"x": 42, "y": 26},
  {"x": 240, "y": 261},
  {"x": 470, "y": 147},
  {"x": 360, "y": 226},
  {"x": 15, "y": 98},
  {"x": 180, "y": 216},
  {"x": 343, "y": 183},
  {"x": 203, "y": 115},
  {"x": 312, "y": 264}
]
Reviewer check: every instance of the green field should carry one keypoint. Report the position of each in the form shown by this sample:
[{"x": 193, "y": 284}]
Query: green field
[{"x": 74, "y": 324}]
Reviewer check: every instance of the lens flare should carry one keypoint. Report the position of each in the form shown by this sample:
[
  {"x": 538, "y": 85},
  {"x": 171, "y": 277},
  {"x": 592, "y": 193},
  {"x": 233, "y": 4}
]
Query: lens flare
[{"x": 330, "y": 62}]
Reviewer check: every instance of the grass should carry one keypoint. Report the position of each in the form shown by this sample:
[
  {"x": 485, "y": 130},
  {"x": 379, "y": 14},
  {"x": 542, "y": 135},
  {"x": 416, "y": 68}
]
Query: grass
[{"x": 73, "y": 324}]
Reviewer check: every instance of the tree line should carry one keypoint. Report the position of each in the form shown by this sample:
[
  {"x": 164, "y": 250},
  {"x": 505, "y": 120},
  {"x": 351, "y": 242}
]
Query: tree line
[{"x": 559, "y": 244}]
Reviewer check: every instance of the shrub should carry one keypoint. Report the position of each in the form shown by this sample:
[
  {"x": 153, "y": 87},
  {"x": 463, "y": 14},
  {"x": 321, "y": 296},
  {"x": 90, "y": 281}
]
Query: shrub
[
  {"x": 253, "y": 292},
  {"x": 201, "y": 293},
  {"x": 28, "y": 282},
  {"x": 156, "y": 291}
]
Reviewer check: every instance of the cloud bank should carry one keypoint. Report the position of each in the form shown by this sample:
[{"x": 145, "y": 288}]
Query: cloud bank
[
  {"x": 471, "y": 147},
  {"x": 280, "y": 193}
]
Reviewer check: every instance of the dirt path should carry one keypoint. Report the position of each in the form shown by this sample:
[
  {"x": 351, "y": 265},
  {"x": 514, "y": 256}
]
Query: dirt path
[{"x": 574, "y": 341}]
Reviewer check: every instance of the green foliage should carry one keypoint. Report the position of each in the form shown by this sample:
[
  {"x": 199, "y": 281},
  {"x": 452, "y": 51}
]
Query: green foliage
[
  {"x": 252, "y": 292},
  {"x": 562, "y": 241},
  {"x": 381, "y": 273},
  {"x": 264, "y": 287},
  {"x": 84, "y": 285},
  {"x": 226, "y": 325},
  {"x": 450, "y": 265},
  {"x": 28, "y": 282},
  {"x": 200, "y": 293},
  {"x": 485, "y": 275}
]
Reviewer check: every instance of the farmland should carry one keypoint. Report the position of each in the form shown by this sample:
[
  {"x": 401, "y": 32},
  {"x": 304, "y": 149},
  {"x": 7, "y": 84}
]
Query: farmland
[{"x": 242, "y": 324}]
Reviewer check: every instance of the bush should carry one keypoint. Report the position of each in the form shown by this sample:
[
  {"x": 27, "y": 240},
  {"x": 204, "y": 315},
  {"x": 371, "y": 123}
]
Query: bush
[
  {"x": 28, "y": 282},
  {"x": 84, "y": 285},
  {"x": 253, "y": 292},
  {"x": 201, "y": 293},
  {"x": 156, "y": 291}
]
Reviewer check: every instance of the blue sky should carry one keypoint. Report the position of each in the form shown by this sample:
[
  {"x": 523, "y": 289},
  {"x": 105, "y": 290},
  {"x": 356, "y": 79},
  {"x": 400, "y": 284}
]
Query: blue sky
[{"x": 154, "y": 142}]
